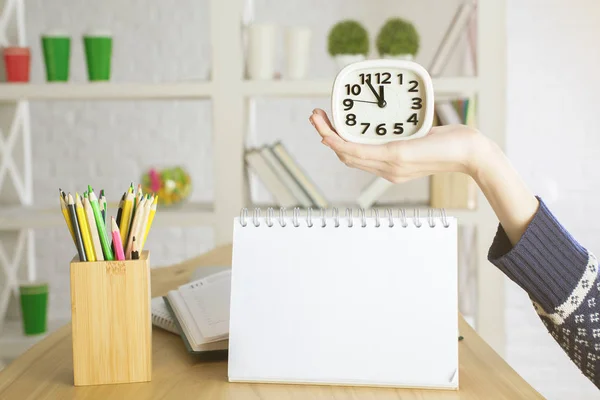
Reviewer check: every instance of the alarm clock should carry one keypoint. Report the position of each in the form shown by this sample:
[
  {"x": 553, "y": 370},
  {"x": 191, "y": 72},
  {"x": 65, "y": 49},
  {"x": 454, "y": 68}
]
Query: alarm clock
[{"x": 379, "y": 101}]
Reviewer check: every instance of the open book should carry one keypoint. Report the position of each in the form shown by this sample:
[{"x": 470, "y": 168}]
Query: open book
[{"x": 200, "y": 310}]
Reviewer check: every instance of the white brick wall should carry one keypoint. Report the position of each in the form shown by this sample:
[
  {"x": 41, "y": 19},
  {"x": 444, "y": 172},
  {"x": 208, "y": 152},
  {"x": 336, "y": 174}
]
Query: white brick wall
[{"x": 553, "y": 141}]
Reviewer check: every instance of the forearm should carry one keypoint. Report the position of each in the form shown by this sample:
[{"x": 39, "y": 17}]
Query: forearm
[{"x": 509, "y": 197}]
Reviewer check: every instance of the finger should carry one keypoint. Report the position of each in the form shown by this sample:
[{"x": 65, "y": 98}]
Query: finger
[
  {"x": 324, "y": 129},
  {"x": 323, "y": 115}
]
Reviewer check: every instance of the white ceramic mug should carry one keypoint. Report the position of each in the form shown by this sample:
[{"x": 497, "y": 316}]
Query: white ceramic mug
[
  {"x": 297, "y": 52},
  {"x": 261, "y": 51}
]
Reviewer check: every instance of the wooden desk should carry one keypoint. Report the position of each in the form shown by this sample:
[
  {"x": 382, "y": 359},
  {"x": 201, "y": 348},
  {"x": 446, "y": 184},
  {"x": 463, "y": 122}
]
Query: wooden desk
[{"x": 46, "y": 370}]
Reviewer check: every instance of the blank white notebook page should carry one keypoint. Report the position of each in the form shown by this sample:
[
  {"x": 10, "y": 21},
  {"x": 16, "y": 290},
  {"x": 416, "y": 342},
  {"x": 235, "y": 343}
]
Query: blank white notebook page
[{"x": 354, "y": 305}]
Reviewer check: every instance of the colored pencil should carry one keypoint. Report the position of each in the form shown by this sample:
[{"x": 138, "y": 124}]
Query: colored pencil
[
  {"x": 125, "y": 222},
  {"x": 91, "y": 221},
  {"x": 102, "y": 205},
  {"x": 135, "y": 254},
  {"x": 144, "y": 221},
  {"x": 120, "y": 209},
  {"x": 108, "y": 254},
  {"x": 65, "y": 212},
  {"x": 135, "y": 225},
  {"x": 85, "y": 230},
  {"x": 150, "y": 219},
  {"x": 117, "y": 242},
  {"x": 137, "y": 199},
  {"x": 78, "y": 239}
]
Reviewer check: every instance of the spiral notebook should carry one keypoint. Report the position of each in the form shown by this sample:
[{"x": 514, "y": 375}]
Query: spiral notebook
[{"x": 353, "y": 299}]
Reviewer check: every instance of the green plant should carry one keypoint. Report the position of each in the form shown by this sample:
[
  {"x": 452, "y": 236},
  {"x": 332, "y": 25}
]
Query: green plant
[
  {"x": 348, "y": 37},
  {"x": 396, "y": 37}
]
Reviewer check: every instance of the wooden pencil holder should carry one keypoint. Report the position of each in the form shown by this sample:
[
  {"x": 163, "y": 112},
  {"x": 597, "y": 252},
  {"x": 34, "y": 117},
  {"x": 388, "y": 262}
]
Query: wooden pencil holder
[{"x": 111, "y": 321}]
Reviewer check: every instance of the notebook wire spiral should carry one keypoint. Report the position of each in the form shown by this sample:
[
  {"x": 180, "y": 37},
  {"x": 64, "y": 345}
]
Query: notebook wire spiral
[{"x": 295, "y": 220}]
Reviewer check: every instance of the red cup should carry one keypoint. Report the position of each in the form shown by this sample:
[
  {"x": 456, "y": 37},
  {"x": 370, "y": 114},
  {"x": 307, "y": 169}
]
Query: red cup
[{"x": 17, "y": 62}]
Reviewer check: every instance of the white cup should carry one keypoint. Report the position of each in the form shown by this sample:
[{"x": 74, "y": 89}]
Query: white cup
[
  {"x": 297, "y": 52},
  {"x": 261, "y": 51}
]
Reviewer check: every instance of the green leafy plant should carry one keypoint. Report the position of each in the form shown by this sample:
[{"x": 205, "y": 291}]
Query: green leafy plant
[
  {"x": 348, "y": 37},
  {"x": 398, "y": 36}
]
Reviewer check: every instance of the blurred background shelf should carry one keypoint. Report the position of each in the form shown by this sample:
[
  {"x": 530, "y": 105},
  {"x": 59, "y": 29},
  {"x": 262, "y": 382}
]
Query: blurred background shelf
[
  {"x": 186, "y": 215},
  {"x": 195, "y": 90},
  {"x": 104, "y": 91}
]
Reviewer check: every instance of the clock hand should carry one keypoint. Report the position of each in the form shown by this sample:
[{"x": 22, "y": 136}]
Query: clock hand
[
  {"x": 379, "y": 99},
  {"x": 364, "y": 101},
  {"x": 381, "y": 103}
]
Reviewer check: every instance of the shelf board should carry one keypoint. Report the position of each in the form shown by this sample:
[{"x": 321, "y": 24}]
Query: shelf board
[
  {"x": 104, "y": 91},
  {"x": 186, "y": 215},
  {"x": 281, "y": 88},
  {"x": 194, "y": 90},
  {"x": 13, "y": 342}
]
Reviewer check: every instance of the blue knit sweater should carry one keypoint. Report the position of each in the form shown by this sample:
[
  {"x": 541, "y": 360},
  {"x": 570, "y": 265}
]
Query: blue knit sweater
[{"x": 561, "y": 278}]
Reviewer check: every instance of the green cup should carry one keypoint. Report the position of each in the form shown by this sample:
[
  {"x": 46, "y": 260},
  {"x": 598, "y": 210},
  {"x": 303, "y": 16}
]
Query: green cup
[
  {"x": 34, "y": 307},
  {"x": 57, "y": 53},
  {"x": 98, "y": 54}
]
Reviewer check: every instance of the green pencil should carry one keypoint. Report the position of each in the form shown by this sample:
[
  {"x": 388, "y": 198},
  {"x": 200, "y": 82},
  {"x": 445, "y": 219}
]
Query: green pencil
[{"x": 108, "y": 254}]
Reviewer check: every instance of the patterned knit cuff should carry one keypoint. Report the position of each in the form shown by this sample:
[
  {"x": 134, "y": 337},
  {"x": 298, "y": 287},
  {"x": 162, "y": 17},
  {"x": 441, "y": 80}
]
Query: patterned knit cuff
[{"x": 547, "y": 262}]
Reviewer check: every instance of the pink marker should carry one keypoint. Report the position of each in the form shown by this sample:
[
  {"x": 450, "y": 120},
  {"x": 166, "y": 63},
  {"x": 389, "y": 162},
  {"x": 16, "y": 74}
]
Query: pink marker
[{"x": 117, "y": 243}]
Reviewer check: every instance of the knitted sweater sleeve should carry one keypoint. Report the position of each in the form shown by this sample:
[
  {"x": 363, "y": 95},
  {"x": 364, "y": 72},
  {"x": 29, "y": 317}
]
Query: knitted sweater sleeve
[{"x": 561, "y": 278}]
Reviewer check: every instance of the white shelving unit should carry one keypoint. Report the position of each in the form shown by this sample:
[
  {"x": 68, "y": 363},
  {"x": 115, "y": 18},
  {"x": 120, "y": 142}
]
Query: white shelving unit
[{"x": 229, "y": 92}]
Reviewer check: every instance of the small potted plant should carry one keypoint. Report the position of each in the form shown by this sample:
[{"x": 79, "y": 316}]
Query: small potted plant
[
  {"x": 398, "y": 39},
  {"x": 348, "y": 42}
]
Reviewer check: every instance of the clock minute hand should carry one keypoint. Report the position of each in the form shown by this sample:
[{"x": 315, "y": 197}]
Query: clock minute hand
[
  {"x": 382, "y": 103},
  {"x": 379, "y": 99}
]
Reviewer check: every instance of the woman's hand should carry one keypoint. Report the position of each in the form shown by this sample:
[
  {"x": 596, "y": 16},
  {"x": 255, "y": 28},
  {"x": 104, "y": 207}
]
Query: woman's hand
[{"x": 451, "y": 148}]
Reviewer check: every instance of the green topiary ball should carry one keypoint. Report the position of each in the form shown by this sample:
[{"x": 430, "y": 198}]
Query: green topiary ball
[
  {"x": 396, "y": 37},
  {"x": 348, "y": 37}
]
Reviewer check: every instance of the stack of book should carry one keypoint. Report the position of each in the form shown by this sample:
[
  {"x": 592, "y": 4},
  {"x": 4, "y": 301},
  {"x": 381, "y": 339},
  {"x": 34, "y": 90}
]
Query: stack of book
[
  {"x": 199, "y": 312},
  {"x": 283, "y": 177}
]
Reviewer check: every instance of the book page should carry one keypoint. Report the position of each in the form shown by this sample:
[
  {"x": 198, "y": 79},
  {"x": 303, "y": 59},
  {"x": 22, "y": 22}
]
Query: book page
[{"x": 208, "y": 301}]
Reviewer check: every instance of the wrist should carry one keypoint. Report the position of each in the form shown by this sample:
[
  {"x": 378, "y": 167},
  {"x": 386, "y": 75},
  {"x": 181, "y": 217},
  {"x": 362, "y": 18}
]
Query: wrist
[{"x": 483, "y": 154}]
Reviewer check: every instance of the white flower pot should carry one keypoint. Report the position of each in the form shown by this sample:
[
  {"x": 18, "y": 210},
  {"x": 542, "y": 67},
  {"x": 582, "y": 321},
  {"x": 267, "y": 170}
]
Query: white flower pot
[
  {"x": 345, "y": 59},
  {"x": 297, "y": 52},
  {"x": 408, "y": 57},
  {"x": 261, "y": 51}
]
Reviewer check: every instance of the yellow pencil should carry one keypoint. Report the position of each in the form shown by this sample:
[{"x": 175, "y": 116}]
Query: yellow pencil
[
  {"x": 85, "y": 230},
  {"x": 150, "y": 219},
  {"x": 125, "y": 221},
  {"x": 144, "y": 221},
  {"x": 65, "y": 212}
]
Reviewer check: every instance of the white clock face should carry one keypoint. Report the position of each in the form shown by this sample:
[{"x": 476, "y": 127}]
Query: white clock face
[{"x": 379, "y": 101}]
